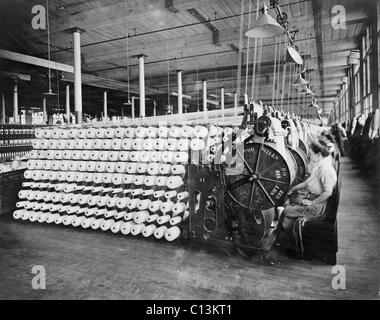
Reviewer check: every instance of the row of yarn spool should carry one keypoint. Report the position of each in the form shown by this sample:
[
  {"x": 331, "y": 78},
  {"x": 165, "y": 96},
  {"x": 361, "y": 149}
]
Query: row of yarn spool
[{"x": 132, "y": 211}]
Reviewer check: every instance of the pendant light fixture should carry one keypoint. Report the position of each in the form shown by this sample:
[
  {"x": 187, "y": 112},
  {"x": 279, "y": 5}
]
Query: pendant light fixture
[{"x": 265, "y": 26}]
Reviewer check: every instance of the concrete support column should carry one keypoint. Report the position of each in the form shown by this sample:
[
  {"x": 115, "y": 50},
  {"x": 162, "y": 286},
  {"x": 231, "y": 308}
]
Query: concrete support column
[
  {"x": 2, "y": 108},
  {"x": 222, "y": 101},
  {"x": 44, "y": 112},
  {"x": 235, "y": 103},
  {"x": 142, "y": 84},
  {"x": 68, "y": 103},
  {"x": 133, "y": 107},
  {"x": 204, "y": 100},
  {"x": 77, "y": 78},
  {"x": 105, "y": 106},
  {"x": 180, "y": 99},
  {"x": 15, "y": 103}
]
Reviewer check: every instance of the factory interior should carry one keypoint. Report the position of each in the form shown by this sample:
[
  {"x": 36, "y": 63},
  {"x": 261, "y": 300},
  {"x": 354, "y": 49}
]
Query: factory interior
[{"x": 189, "y": 150}]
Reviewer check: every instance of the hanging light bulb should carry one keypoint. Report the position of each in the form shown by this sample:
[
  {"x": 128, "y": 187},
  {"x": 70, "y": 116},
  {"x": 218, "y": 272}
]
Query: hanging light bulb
[
  {"x": 292, "y": 54},
  {"x": 265, "y": 26}
]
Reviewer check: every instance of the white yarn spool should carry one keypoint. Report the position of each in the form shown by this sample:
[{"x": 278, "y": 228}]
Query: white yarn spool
[
  {"x": 182, "y": 195},
  {"x": 133, "y": 204},
  {"x": 187, "y": 131},
  {"x": 145, "y": 156},
  {"x": 200, "y": 131},
  {"x": 152, "y": 218},
  {"x": 110, "y": 167},
  {"x": 122, "y": 203},
  {"x": 160, "y": 144},
  {"x": 25, "y": 215},
  {"x": 33, "y": 217},
  {"x": 113, "y": 156},
  {"x": 137, "y": 228},
  {"x": 75, "y": 155},
  {"x": 88, "y": 175},
  {"x": 74, "y": 198},
  {"x": 159, "y": 193},
  {"x": 175, "y": 220},
  {"x": 197, "y": 144},
  {"x": 85, "y": 155},
  {"x": 116, "y": 227},
  {"x": 31, "y": 164},
  {"x": 159, "y": 232},
  {"x": 166, "y": 206},
  {"x": 172, "y": 233},
  {"x": 51, "y": 217},
  {"x": 90, "y": 212},
  {"x": 21, "y": 204},
  {"x": 107, "y": 224},
  {"x": 73, "y": 209},
  {"x": 87, "y": 144},
  {"x": 149, "y": 181},
  {"x": 52, "y": 144},
  {"x": 153, "y": 169},
  {"x": 144, "y": 204},
  {"x": 126, "y": 144},
  {"x": 28, "y": 174},
  {"x": 161, "y": 181},
  {"x": 141, "y": 132},
  {"x": 137, "y": 144},
  {"x": 79, "y": 177},
  {"x": 138, "y": 180},
  {"x": 109, "y": 133},
  {"x": 178, "y": 169},
  {"x": 134, "y": 156},
  {"x": 117, "y": 179},
  {"x": 128, "y": 179},
  {"x": 59, "y": 219},
  {"x": 97, "y": 223},
  {"x": 39, "y": 133},
  {"x": 94, "y": 155},
  {"x": 61, "y": 144},
  {"x": 50, "y": 154},
  {"x": 128, "y": 216},
  {"x": 106, "y": 144},
  {"x": 90, "y": 167},
  {"x": 73, "y": 165},
  {"x": 100, "y": 133},
  {"x": 120, "y": 167},
  {"x": 148, "y": 144},
  {"x": 70, "y": 144},
  {"x": 82, "y": 133},
  {"x": 141, "y": 167},
  {"x": 64, "y": 165},
  {"x": 66, "y": 155},
  {"x": 119, "y": 214},
  {"x": 124, "y": 155},
  {"x": 183, "y": 144},
  {"x": 77, "y": 221},
  {"x": 131, "y": 167},
  {"x": 97, "y": 144},
  {"x": 155, "y": 156},
  {"x": 86, "y": 223},
  {"x": 91, "y": 133},
  {"x": 140, "y": 216},
  {"x": 148, "y": 230},
  {"x": 174, "y": 182},
  {"x": 68, "y": 220},
  {"x": 171, "y": 144},
  {"x": 100, "y": 166},
  {"x": 119, "y": 132},
  {"x": 33, "y": 154},
  {"x": 178, "y": 208},
  {"x": 130, "y": 132},
  {"x": 58, "y": 155},
  {"x": 170, "y": 194},
  {"x": 116, "y": 144},
  {"x": 97, "y": 178},
  {"x": 152, "y": 132},
  {"x": 107, "y": 178},
  {"x": 126, "y": 227},
  {"x": 79, "y": 144},
  {"x": 48, "y": 133},
  {"x": 181, "y": 157},
  {"x": 163, "y": 132},
  {"x": 36, "y": 144},
  {"x": 36, "y": 175},
  {"x": 17, "y": 214},
  {"x": 41, "y": 154},
  {"x": 168, "y": 156},
  {"x": 175, "y": 132},
  {"x": 164, "y": 168},
  {"x": 155, "y": 206}
]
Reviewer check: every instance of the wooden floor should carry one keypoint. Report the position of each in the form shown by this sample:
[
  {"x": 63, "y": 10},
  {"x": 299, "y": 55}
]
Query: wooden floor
[{"x": 96, "y": 265}]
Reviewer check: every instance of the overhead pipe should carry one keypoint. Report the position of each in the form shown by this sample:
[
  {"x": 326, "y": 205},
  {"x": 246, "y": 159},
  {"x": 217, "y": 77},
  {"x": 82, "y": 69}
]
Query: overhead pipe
[
  {"x": 142, "y": 84},
  {"x": 222, "y": 101},
  {"x": 105, "y": 106},
  {"x": 2, "y": 108}
]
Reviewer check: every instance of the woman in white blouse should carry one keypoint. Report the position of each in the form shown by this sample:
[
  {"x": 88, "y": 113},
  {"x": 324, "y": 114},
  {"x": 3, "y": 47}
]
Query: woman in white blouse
[{"x": 312, "y": 194}]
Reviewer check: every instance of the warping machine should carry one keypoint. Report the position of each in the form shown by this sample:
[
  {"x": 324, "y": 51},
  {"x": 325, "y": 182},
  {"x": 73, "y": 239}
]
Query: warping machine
[{"x": 210, "y": 180}]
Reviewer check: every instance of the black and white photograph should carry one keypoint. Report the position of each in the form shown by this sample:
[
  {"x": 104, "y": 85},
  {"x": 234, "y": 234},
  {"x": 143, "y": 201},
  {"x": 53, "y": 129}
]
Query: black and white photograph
[{"x": 189, "y": 154}]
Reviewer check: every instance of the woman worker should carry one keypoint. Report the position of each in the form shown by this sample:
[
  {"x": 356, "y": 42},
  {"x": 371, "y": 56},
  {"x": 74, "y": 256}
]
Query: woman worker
[{"x": 312, "y": 194}]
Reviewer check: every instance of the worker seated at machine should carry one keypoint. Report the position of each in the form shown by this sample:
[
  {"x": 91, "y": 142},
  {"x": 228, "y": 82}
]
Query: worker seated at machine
[
  {"x": 308, "y": 199},
  {"x": 329, "y": 141}
]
